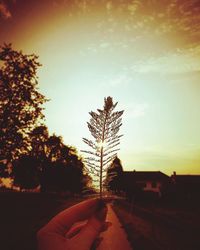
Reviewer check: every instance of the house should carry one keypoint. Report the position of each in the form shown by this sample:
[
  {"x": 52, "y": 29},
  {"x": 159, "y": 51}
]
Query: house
[
  {"x": 186, "y": 186},
  {"x": 147, "y": 181}
]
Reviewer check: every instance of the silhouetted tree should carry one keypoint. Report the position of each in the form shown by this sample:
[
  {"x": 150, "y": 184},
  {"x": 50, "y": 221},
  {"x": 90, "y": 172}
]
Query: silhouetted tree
[
  {"x": 104, "y": 127},
  {"x": 50, "y": 163},
  {"x": 54, "y": 145},
  {"x": 62, "y": 169},
  {"x": 38, "y": 139},
  {"x": 20, "y": 101},
  {"x": 26, "y": 172},
  {"x": 114, "y": 176},
  {"x": 87, "y": 184},
  {"x": 24, "y": 140}
]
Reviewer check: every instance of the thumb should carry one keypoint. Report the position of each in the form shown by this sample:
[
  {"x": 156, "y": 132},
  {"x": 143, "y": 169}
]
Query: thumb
[{"x": 89, "y": 232}]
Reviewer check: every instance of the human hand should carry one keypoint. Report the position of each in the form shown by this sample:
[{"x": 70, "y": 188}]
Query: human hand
[{"x": 59, "y": 234}]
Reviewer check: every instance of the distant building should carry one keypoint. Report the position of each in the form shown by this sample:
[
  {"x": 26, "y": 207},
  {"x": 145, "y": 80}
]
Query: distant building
[
  {"x": 186, "y": 185},
  {"x": 147, "y": 181}
]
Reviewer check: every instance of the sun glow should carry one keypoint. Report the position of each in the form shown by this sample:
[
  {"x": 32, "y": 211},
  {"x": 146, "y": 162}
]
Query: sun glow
[{"x": 101, "y": 144}]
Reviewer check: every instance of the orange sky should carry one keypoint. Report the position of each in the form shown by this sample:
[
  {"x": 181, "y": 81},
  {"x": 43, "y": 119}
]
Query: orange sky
[{"x": 146, "y": 54}]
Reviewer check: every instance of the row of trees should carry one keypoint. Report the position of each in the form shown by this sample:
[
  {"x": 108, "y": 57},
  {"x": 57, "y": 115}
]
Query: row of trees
[
  {"x": 27, "y": 152},
  {"x": 51, "y": 164}
]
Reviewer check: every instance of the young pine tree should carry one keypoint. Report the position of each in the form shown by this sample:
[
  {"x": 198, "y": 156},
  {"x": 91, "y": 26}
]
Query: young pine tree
[{"x": 104, "y": 126}]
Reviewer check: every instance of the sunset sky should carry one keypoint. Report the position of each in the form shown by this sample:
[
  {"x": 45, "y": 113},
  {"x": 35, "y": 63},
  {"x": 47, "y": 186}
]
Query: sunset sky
[{"x": 143, "y": 53}]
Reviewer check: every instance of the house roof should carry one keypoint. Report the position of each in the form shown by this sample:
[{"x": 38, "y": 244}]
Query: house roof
[{"x": 145, "y": 175}]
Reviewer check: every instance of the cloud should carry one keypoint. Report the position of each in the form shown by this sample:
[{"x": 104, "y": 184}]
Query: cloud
[
  {"x": 119, "y": 81},
  {"x": 136, "y": 110},
  {"x": 104, "y": 45},
  {"x": 109, "y": 5},
  {"x": 180, "y": 61},
  {"x": 133, "y": 7},
  {"x": 4, "y": 12}
]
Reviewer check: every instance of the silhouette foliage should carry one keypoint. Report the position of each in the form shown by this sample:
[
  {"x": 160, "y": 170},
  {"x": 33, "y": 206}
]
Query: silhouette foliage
[
  {"x": 20, "y": 101},
  {"x": 104, "y": 126},
  {"x": 59, "y": 167},
  {"x": 26, "y": 174},
  {"x": 114, "y": 176}
]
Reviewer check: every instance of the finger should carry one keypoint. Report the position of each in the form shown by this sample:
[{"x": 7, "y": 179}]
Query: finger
[
  {"x": 62, "y": 222},
  {"x": 49, "y": 241},
  {"x": 90, "y": 231},
  {"x": 75, "y": 230}
]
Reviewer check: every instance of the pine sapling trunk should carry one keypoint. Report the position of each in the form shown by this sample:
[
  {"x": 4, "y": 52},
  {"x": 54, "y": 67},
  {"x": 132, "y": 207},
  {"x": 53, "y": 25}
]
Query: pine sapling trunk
[
  {"x": 101, "y": 173},
  {"x": 101, "y": 160}
]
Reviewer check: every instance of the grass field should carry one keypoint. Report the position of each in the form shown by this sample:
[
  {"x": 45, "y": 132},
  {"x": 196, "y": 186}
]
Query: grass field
[{"x": 22, "y": 214}]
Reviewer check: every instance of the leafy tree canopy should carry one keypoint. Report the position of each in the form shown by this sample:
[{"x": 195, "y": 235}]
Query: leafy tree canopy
[{"x": 20, "y": 101}]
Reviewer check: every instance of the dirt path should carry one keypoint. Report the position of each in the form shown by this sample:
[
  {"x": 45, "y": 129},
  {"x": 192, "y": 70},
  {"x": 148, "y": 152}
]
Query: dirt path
[{"x": 115, "y": 237}]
